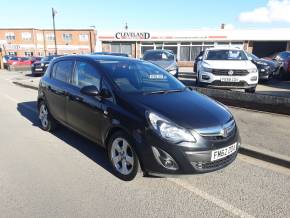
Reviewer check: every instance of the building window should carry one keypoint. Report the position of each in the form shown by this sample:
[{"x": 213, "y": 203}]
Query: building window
[
  {"x": 121, "y": 48},
  {"x": 26, "y": 36},
  {"x": 39, "y": 37},
  {"x": 67, "y": 36},
  {"x": 84, "y": 37},
  {"x": 12, "y": 53},
  {"x": 28, "y": 53},
  {"x": 50, "y": 36},
  {"x": 10, "y": 36},
  {"x": 184, "y": 53}
]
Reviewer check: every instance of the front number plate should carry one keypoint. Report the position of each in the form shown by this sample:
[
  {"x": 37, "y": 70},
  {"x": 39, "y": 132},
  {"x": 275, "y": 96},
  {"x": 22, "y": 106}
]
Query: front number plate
[
  {"x": 230, "y": 79},
  {"x": 223, "y": 152}
]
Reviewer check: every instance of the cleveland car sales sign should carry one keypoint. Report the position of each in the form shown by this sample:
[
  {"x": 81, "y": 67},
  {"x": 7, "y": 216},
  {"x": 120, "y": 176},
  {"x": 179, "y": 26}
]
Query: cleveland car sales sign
[{"x": 132, "y": 35}]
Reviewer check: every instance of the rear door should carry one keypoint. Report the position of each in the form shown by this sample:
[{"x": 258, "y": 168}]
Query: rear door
[{"x": 57, "y": 88}]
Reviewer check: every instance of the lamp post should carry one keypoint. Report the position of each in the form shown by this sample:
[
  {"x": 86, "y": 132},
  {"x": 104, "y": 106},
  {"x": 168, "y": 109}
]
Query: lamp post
[
  {"x": 92, "y": 39},
  {"x": 54, "y": 32}
]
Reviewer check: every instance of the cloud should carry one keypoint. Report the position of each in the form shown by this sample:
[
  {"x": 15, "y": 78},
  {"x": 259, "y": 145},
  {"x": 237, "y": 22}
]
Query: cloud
[{"x": 274, "y": 11}]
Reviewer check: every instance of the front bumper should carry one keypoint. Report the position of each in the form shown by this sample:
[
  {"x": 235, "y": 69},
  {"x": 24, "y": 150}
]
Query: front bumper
[
  {"x": 191, "y": 158},
  {"x": 243, "y": 82}
]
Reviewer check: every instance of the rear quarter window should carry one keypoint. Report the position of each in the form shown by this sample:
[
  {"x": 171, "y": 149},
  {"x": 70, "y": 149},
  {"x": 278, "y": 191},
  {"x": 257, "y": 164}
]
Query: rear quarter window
[{"x": 62, "y": 71}]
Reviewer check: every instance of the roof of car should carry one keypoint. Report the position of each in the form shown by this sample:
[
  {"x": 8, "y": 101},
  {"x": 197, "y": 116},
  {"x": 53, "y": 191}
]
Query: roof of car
[
  {"x": 224, "y": 48},
  {"x": 158, "y": 50},
  {"x": 99, "y": 57}
]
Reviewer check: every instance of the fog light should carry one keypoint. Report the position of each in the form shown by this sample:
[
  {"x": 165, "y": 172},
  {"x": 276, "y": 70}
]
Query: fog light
[
  {"x": 262, "y": 70},
  {"x": 164, "y": 159},
  {"x": 254, "y": 78},
  {"x": 205, "y": 77}
]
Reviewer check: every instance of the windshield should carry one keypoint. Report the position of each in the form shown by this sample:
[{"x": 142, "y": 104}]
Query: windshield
[
  {"x": 226, "y": 55},
  {"x": 140, "y": 77},
  {"x": 48, "y": 58},
  {"x": 158, "y": 56}
]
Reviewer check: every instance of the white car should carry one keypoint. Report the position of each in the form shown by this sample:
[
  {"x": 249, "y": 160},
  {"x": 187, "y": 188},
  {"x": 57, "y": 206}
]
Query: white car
[{"x": 228, "y": 68}]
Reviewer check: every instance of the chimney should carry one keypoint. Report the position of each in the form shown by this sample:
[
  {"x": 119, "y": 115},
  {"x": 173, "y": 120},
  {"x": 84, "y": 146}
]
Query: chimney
[{"x": 222, "y": 26}]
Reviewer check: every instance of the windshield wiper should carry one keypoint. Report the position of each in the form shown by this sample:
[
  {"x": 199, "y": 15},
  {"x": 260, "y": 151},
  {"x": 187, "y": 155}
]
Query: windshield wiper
[{"x": 164, "y": 91}]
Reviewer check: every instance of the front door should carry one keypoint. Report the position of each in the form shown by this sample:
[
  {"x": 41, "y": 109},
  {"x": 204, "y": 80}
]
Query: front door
[{"x": 84, "y": 112}]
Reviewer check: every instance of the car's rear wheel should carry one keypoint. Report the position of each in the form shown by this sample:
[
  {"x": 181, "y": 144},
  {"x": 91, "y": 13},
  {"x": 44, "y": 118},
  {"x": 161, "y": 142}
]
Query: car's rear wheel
[
  {"x": 123, "y": 157},
  {"x": 47, "y": 123}
]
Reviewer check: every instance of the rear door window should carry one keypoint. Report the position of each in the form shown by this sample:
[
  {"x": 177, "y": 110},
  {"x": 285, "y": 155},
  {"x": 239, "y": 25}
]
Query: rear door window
[{"x": 62, "y": 70}]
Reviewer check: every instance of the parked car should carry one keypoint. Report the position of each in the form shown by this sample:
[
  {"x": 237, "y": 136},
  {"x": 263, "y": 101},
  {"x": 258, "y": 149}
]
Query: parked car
[
  {"x": 267, "y": 68},
  {"x": 163, "y": 58},
  {"x": 18, "y": 61},
  {"x": 197, "y": 59},
  {"x": 282, "y": 58},
  {"x": 228, "y": 68},
  {"x": 111, "y": 53},
  {"x": 5, "y": 60},
  {"x": 140, "y": 113},
  {"x": 39, "y": 67}
]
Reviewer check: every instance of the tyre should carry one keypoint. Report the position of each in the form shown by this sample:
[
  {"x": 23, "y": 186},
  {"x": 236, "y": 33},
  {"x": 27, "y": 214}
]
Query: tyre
[
  {"x": 281, "y": 75},
  {"x": 47, "y": 123},
  {"x": 250, "y": 90},
  {"x": 197, "y": 80},
  {"x": 122, "y": 156}
]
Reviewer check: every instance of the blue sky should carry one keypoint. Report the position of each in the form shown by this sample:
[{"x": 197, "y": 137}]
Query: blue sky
[{"x": 140, "y": 14}]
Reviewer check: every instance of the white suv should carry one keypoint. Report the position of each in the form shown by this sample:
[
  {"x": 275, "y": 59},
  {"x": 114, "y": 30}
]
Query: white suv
[{"x": 228, "y": 68}]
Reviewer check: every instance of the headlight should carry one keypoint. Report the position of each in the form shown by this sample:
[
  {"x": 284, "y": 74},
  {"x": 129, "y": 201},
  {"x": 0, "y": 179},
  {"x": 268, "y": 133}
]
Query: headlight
[
  {"x": 206, "y": 69},
  {"x": 42, "y": 64},
  {"x": 172, "y": 67},
  {"x": 254, "y": 70},
  {"x": 169, "y": 130},
  {"x": 173, "y": 72}
]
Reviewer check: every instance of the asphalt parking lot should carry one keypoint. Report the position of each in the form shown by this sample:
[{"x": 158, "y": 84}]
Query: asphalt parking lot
[{"x": 65, "y": 175}]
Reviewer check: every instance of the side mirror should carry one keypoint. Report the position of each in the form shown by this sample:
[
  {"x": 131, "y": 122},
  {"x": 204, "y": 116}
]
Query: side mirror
[
  {"x": 199, "y": 58},
  {"x": 105, "y": 93},
  {"x": 250, "y": 58},
  {"x": 90, "y": 90}
]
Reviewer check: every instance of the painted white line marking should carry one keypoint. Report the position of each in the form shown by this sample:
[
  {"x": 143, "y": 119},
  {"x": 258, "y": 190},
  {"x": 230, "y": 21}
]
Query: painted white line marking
[
  {"x": 264, "y": 164},
  {"x": 226, "y": 206}
]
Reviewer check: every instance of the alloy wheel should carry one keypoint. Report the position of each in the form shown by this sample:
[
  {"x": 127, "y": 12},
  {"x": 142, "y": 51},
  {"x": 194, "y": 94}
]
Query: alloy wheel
[
  {"x": 122, "y": 156},
  {"x": 43, "y": 116}
]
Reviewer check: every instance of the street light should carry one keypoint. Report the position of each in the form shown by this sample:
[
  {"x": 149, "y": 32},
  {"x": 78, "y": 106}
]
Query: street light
[
  {"x": 54, "y": 12},
  {"x": 91, "y": 46}
]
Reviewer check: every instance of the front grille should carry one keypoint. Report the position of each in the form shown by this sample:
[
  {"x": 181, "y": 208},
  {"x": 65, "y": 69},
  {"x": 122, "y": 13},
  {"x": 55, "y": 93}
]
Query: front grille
[
  {"x": 226, "y": 72},
  {"x": 235, "y": 84},
  {"x": 212, "y": 165}
]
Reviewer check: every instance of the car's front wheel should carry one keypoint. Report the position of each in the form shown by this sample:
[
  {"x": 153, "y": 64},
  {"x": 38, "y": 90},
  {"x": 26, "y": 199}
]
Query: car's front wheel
[
  {"x": 123, "y": 158},
  {"x": 47, "y": 123},
  {"x": 250, "y": 90}
]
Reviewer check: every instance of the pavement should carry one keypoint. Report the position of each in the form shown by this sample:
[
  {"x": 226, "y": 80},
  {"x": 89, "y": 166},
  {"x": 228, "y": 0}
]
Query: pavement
[{"x": 64, "y": 175}]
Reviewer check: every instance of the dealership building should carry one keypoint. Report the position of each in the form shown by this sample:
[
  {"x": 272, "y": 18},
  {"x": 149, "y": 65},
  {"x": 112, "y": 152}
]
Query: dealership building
[{"x": 187, "y": 44}]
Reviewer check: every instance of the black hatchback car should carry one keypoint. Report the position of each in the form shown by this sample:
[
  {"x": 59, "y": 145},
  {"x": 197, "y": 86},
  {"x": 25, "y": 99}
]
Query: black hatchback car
[
  {"x": 144, "y": 117},
  {"x": 39, "y": 67}
]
